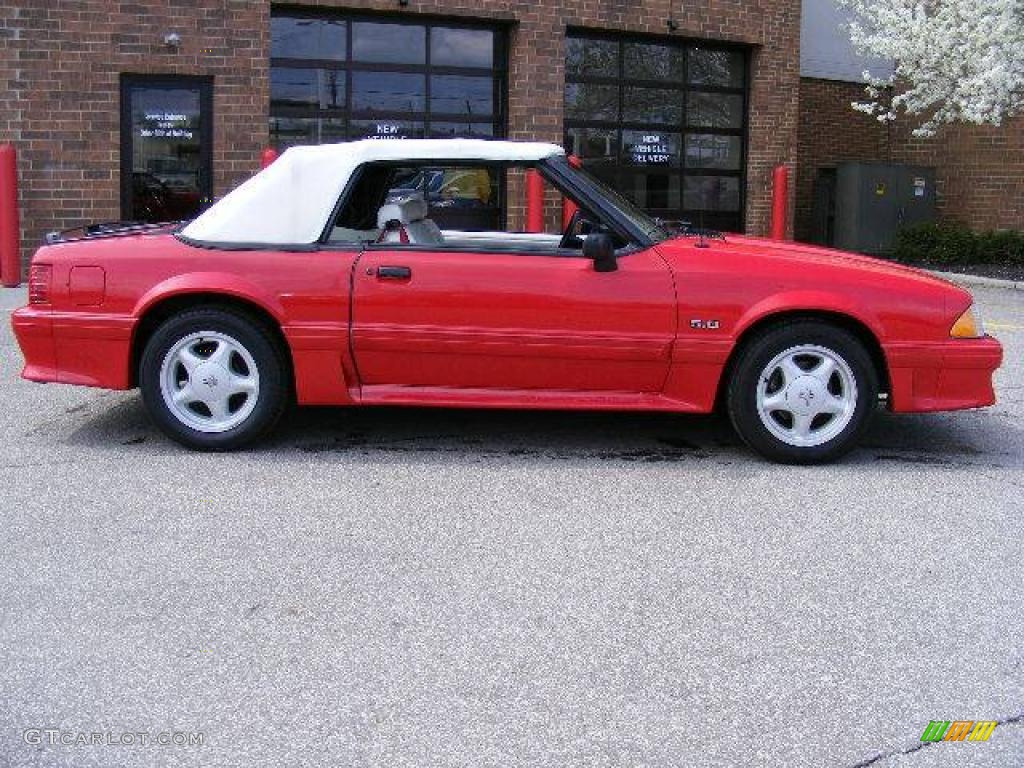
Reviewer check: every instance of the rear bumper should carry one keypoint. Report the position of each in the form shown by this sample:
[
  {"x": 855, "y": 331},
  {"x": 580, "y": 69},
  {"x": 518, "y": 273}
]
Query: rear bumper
[
  {"x": 74, "y": 347},
  {"x": 34, "y": 332},
  {"x": 943, "y": 376}
]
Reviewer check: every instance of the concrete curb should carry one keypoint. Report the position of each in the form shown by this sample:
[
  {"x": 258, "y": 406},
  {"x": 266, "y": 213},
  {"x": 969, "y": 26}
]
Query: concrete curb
[{"x": 991, "y": 282}]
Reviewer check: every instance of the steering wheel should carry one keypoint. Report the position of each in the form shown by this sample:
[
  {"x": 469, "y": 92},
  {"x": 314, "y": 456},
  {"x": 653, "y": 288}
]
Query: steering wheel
[{"x": 571, "y": 235}]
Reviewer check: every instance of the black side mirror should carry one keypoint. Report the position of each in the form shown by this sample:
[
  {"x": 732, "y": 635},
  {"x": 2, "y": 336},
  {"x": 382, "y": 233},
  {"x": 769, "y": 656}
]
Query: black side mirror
[{"x": 601, "y": 250}]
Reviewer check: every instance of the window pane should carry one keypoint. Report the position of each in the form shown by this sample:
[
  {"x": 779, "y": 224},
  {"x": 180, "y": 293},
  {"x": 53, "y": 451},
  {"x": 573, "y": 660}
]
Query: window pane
[
  {"x": 298, "y": 38},
  {"x": 591, "y": 102},
  {"x": 586, "y": 56},
  {"x": 714, "y": 110},
  {"x": 290, "y": 131},
  {"x": 461, "y": 47},
  {"x": 457, "y": 95},
  {"x": 456, "y": 130},
  {"x": 389, "y": 43},
  {"x": 166, "y": 141},
  {"x": 711, "y": 193},
  {"x": 652, "y": 105},
  {"x": 650, "y": 148},
  {"x": 658, "y": 190},
  {"x": 386, "y": 129},
  {"x": 317, "y": 88},
  {"x": 388, "y": 92},
  {"x": 653, "y": 62},
  {"x": 705, "y": 150},
  {"x": 710, "y": 67},
  {"x": 592, "y": 144}
]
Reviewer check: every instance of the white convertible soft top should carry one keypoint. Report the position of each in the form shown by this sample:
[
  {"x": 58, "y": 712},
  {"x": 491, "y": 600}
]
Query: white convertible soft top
[{"x": 289, "y": 202}]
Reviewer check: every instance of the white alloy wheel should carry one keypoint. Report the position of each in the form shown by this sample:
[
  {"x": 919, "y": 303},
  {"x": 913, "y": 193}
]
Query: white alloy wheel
[
  {"x": 209, "y": 382},
  {"x": 806, "y": 395}
]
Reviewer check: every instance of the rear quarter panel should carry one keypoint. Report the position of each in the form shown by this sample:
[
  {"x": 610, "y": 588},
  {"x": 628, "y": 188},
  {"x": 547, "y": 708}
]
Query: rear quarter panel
[{"x": 306, "y": 292}]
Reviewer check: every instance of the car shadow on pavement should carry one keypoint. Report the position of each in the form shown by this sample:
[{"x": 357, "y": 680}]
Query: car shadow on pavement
[{"x": 969, "y": 439}]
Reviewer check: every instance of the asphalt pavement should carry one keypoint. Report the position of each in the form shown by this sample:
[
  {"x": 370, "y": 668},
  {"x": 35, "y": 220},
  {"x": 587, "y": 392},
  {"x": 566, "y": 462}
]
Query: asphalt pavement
[{"x": 426, "y": 587}]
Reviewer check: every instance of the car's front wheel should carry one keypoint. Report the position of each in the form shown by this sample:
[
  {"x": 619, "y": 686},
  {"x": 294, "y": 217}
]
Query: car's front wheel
[
  {"x": 213, "y": 379},
  {"x": 803, "y": 392}
]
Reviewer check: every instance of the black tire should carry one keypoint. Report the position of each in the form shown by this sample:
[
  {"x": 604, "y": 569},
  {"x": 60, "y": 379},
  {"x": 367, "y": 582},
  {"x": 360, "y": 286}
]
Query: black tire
[
  {"x": 749, "y": 371},
  {"x": 255, "y": 340}
]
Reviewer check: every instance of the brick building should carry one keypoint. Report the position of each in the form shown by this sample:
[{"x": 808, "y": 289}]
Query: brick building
[
  {"x": 133, "y": 110},
  {"x": 979, "y": 170}
]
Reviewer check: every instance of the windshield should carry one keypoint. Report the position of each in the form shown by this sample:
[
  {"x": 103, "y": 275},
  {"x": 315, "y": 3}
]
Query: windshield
[{"x": 594, "y": 186}]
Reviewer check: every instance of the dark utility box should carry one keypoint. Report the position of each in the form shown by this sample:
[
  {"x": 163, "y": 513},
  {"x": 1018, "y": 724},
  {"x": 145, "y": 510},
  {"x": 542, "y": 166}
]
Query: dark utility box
[{"x": 874, "y": 200}]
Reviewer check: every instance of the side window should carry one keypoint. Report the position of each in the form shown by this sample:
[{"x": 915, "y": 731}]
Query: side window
[
  {"x": 462, "y": 207},
  {"x": 458, "y": 197},
  {"x": 357, "y": 220}
]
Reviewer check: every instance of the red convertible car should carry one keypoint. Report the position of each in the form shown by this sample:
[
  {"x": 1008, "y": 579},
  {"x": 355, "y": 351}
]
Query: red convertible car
[{"x": 327, "y": 279}]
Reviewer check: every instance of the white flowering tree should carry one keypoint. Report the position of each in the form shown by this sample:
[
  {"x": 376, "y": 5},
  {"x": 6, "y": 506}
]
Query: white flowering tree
[{"x": 955, "y": 61}]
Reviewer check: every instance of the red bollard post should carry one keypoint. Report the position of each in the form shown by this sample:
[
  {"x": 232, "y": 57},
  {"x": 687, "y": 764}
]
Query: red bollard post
[
  {"x": 534, "y": 201},
  {"x": 267, "y": 156},
  {"x": 780, "y": 201},
  {"x": 10, "y": 230}
]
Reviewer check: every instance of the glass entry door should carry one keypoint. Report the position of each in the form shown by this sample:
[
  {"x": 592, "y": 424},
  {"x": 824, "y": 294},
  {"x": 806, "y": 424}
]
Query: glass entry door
[{"x": 166, "y": 124}]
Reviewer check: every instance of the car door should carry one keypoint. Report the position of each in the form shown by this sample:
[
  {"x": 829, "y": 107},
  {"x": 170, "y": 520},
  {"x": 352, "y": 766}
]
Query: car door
[{"x": 435, "y": 317}]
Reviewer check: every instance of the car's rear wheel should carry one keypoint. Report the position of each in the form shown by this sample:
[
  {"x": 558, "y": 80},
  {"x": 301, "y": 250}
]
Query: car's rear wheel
[
  {"x": 213, "y": 379},
  {"x": 803, "y": 392}
]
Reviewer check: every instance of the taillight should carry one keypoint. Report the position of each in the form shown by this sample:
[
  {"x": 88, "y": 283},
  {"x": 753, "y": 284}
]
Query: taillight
[{"x": 39, "y": 277}]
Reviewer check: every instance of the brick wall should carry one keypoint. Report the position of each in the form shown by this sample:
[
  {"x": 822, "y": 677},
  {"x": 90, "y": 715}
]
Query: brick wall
[
  {"x": 60, "y": 64},
  {"x": 830, "y": 132},
  {"x": 979, "y": 169}
]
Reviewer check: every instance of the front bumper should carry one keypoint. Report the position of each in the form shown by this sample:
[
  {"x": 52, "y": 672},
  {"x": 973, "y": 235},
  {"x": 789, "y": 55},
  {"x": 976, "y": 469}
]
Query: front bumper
[
  {"x": 943, "y": 376},
  {"x": 74, "y": 347}
]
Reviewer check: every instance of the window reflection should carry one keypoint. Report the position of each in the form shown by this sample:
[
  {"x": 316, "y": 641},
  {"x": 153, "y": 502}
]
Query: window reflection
[
  {"x": 716, "y": 67},
  {"x": 291, "y": 131},
  {"x": 588, "y": 56},
  {"x": 306, "y": 38},
  {"x": 383, "y": 78},
  {"x": 628, "y": 105},
  {"x": 652, "y": 105},
  {"x": 454, "y": 95},
  {"x": 711, "y": 193},
  {"x": 652, "y": 62},
  {"x": 452, "y": 130},
  {"x": 461, "y": 47},
  {"x": 715, "y": 110},
  {"x": 378, "y": 92},
  {"x": 169, "y": 175},
  {"x": 389, "y": 43},
  {"x": 592, "y": 102},
  {"x": 654, "y": 190},
  {"x": 322, "y": 88},
  {"x": 705, "y": 150}
]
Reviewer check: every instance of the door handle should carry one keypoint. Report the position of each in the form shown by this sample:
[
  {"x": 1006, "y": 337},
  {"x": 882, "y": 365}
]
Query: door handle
[{"x": 394, "y": 273}]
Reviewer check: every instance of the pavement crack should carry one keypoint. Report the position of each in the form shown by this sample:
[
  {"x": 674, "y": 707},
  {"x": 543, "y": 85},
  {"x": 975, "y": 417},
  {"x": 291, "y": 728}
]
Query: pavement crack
[{"x": 918, "y": 747}]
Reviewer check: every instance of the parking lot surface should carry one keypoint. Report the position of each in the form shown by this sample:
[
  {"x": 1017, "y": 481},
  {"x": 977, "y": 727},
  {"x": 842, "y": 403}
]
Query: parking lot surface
[{"x": 439, "y": 588}]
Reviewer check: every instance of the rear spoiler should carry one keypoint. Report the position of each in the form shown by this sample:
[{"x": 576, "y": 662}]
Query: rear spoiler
[{"x": 107, "y": 229}]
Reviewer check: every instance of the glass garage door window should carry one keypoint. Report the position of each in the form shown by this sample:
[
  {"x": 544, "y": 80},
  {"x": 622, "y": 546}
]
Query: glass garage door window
[
  {"x": 339, "y": 77},
  {"x": 664, "y": 122}
]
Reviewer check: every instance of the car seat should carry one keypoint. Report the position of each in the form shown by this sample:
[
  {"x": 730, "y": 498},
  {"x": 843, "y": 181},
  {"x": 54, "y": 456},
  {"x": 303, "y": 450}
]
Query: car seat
[{"x": 404, "y": 220}]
